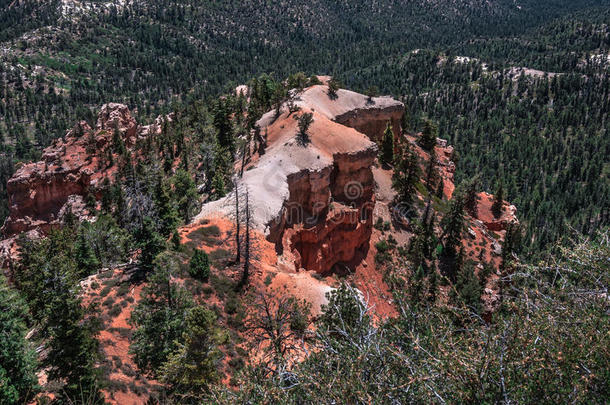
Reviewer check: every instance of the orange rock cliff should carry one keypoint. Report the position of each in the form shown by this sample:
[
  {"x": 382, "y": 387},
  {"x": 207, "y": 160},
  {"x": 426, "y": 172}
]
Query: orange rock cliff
[
  {"x": 315, "y": 204},
  {"x": 40, "y": 193}
]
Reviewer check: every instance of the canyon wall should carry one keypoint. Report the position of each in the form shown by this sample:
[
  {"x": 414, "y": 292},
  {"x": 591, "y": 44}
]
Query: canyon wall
[
  {"x": 71, "y": 168},
  {"x": 315, "y": 201}
]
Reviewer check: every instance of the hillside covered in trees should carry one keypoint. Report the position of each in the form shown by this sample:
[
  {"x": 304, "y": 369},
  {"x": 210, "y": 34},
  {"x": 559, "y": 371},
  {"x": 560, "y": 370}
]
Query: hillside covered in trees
[
  {"x": 211, "y": 202},
  {"x": 68, "y": 58}
]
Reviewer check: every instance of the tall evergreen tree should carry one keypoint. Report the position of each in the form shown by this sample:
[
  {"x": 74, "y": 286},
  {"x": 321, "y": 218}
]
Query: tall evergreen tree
[
  {"x": 166, "y": 210},
  {"x": 496, "y": 207},
  {"x": 18, "y": 382},
  {"x": 72, "y": 347},
  {"x": 427, "y": 140},
  {"x": 453, "y": 225},
  {"x": 387, "y": 147},
  {"x": 406, "y": 176},
  {"x": 159, "y": 316},
  {"x": 194, "y": 366},
  {"x": 86, "y": 260},
  {"x": 186, "y": 193}
]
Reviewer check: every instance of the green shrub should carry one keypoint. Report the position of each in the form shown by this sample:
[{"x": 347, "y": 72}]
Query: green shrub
[{"x": 199, "y": 267}]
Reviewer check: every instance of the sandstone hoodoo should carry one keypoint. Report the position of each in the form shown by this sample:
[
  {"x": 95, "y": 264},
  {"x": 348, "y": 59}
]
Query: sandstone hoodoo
[
  {"x": 315, "y": 201},
  {"x": 71, "y": 170}
]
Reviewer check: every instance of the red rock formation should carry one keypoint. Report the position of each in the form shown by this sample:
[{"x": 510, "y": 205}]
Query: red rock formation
[
  {"x": 72, "y": 167},
  {"x": 485, "y": 215},
  {"x": 314, "y": 201},
  {"x": 338, "y": 238}
]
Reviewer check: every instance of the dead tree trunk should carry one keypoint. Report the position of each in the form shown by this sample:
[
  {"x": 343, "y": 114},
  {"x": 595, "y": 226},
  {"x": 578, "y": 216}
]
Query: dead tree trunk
[
  {"x": 237, "y": 222},
  {"x": 245, "y": 155},
  {"x": 246, "y": 273}
]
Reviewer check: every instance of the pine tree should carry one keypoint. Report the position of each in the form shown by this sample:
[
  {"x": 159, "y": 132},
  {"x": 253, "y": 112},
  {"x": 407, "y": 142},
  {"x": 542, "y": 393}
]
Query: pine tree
[
  {"x": 193, "y": 367},
  {"x": 218, "y": 185},
  {"x": 304, "y": 122},
  {"x": 387, "y": 147},
  {"x": 453, "y": 225},
  {"x": 371, "y": 92},
  {"x": 470, "y": 189},
  {"x": 224, "y": 125},
  {"x": 86, "y": 260},
  {"x": 159, "y": 316},
  {"x": 333, "y": 87},
  {"x": 427, "y": 139},
  {"x": 496, "y": 207},
  {"x": 512, "y": 240},
  {"x": 431, "y": 173},
  {"x": 406, "y": 176},
  {"x": 186, "y": 193},
  {"x": 467, "y": 286},
  {"x": 405, "y": 120},
  {"x": 151, "y": 243},
  {"x": 166, "y": 210},
  {"x": 118, "y": 143},
  {"x": 17, "y": 356},
  {"x": 70, "y": 331},
  {"x": 199, "y": 266}
]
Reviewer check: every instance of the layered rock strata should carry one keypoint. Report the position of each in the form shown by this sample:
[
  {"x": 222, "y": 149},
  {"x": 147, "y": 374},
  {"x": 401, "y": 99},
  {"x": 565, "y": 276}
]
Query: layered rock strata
[
  {"x": 70, "y": 169},
  {"x": 315, "y": 201}
]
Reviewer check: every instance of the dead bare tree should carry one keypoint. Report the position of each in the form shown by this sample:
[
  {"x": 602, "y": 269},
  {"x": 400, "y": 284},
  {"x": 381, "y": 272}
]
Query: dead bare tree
[
  {"x": 247, "y": 246},
  {"x": 237, "y": 221},
  {"x": 277, "y": 325},
  {"x": 245, "y": 154}
]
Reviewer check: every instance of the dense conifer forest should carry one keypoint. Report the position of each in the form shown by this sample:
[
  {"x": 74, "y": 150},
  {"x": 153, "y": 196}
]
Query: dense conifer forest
[
  {"x": 521, "y": 89},
  {"x": 64, "y": 62}
]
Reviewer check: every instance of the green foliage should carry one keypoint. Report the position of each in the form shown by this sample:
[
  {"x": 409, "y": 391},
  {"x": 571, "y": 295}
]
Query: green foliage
[
  {"x": 159, "y": 316},
  {"x": 333, "y": 87},
  {"x": 344, "y": 317},
  {"x": 406, "y": 176},
  {"x": 109, "y": 243},
  {"x": 452, "y": 224},
  {"x": 304, "y": 122},
  {"x": 383, "y": 255},
  {"x": 193, "y": 367},
  {"x": 387, "y": 146},
  {"x": 427, "y": 140},
  {"x": 218, "y": 186},
  {"x": 467, "y": 286},
  {"x": 496, "y": 207},
  {"x": 470, "y": 188},
  {"x": 549, "y": 325},
  {"x": 371, "y": 92},
  {"x": 17, "y": 357},
  {"x": 86, "y": 260},
  {"x": 150, "y": 242},
  {"x": 48, "y": 276},
  {"x": 70, "y": 332},
  {"x": 168, "y": 215},
  {"x": 199, "y": 266},
  {"x": 491, "y": 117},
  {"x": 185, "y": 189}
]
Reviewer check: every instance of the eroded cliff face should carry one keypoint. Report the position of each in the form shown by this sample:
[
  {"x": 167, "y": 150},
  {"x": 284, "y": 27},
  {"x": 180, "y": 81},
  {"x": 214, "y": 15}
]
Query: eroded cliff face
[
  {"x": 71, "y": 168},
  {"x": 338, "y": 230},
  {"x": 369, "y": 116},
  {"x": 315, "y": 201}
]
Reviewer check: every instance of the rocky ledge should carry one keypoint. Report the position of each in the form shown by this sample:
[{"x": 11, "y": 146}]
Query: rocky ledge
[
  {"x": 315, "y": 201},
  {"x": 73, "y": 167}
]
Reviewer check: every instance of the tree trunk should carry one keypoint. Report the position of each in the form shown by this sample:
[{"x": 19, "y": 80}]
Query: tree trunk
[{"x": 237, "y": 224}]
